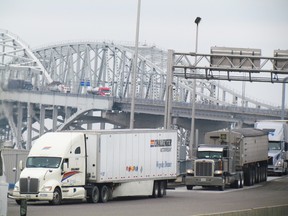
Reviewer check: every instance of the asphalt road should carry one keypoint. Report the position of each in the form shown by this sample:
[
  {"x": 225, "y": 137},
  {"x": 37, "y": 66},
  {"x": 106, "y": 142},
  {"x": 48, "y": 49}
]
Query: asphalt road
[{"x": 180, "y": 202}]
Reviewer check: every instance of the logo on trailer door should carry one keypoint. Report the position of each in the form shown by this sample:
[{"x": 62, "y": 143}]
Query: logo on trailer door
[{"x": 164, "y": 144}]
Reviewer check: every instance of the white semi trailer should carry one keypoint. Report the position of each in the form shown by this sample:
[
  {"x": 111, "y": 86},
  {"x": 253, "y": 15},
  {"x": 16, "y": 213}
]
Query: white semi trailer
[
  {"x": 230, "y": 157},
  {"x": 278, "y": 145},
  {"x": 98, "y": 165}
]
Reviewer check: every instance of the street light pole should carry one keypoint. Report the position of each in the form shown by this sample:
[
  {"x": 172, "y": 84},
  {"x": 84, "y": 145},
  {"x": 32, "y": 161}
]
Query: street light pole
[
  {"x": 283, "y": 99},
  {"x": 133, "y": 80},
  {"x": 192, "y": 136}
]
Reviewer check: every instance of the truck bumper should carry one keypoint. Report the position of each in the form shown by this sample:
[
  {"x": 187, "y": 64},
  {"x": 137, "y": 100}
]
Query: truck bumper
[
  {"x": 275, "y": 170},
  {"x": 204, "y": 181},
  {"x": 39, "y": 196}
]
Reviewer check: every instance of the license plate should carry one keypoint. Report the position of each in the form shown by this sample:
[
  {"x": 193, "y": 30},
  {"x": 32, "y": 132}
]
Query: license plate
[
  {"x": 28, "y": 196},
  {"x": 203, "y": 179}
]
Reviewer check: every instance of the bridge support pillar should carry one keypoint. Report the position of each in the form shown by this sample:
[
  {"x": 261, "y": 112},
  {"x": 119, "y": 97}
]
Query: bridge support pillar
[
  {"x": 42, "y": 119},
  {"x": 29, "y": 125},
  {"x": 55, "y": 115},
  {"x": 19, "y": 125},
  {"x": 89, "y": 125}
]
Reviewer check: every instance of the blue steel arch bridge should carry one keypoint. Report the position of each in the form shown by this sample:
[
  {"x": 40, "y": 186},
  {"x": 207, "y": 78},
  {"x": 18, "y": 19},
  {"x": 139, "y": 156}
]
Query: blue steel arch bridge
[{"x": 49, "y": 89}]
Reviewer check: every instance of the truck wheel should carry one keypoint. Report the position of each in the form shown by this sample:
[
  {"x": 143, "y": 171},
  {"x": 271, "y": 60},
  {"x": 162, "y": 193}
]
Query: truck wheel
[
  {"x": 221, "y": 188},
  {"x": 162, "y": 189},
  {"x": 104, "y": 195},
  {"x": 189, "y": 187},
  {"x": 94, "y": 196},
  {"x": 241, "y": 181},
  {"x": 18, "y": 202},
  {"x": 57, "y": 197},
  {"x": 236, "y": 184},
  {"x": 155, "y": 190}
]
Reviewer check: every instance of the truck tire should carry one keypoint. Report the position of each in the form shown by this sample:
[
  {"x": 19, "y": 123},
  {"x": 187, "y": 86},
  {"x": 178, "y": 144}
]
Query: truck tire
[
  {"x": 162, "y": 190},
  {"x": 221, "y": 188},
  {"x": 189, "y": 187},
  {"x": 257, "y": 174},
  {"x": 104, "y": 194},
  {"x": 57, "y": 197},
  {"x": 155, "y": 189},
  {"x": 241, "y": 180},
  {"x": 94, "y": 195},
  {"x": 249, "y": 177}
]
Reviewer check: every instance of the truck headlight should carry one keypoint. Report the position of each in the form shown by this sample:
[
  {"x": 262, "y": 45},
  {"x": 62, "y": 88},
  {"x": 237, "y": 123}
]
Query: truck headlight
[
  {"x": 218, "y": 172},
  {"x": 279, "y": 163},
  {"x": 190, "y": 171},
  {"x": 47, "y": 188}
]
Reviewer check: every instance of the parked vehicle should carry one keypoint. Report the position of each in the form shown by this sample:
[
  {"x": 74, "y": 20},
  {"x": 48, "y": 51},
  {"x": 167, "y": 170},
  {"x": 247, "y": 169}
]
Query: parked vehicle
[
  {"x": 98, "y": 165},
  {"x": 278, "y": 145},
  {"x": 3, "y": 187},
  {"x": 230, "y": 157},
  {"x": 102, "y": 91}
]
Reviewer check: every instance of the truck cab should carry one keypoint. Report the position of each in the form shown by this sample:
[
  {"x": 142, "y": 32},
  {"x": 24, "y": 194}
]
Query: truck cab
[
  {"x": 278, "y": 145},
  {"x": 55, "y": 170},
  {"x": 212, "y": 167}
]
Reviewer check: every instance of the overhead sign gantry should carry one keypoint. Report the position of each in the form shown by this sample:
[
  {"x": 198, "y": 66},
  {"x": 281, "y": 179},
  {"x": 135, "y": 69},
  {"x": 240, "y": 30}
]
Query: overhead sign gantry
[{"x": 232, "y": 64}]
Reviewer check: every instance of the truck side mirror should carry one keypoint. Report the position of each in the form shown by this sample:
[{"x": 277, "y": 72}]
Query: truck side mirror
[
  {"x": 65, "y": 167},
  {"x": 286, "y": 146},
  {"x": 21, "y": 165}
]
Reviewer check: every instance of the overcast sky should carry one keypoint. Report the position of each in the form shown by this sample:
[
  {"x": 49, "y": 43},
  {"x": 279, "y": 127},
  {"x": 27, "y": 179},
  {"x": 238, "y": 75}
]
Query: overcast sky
[{"x": 168, "y": 24}]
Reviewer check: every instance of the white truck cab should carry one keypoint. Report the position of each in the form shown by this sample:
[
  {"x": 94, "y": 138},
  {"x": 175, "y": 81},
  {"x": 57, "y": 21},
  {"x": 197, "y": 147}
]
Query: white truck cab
[{"x": 51, "y": 166}]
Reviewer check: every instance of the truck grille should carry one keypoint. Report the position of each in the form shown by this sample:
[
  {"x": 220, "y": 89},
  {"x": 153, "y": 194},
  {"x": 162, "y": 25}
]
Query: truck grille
[
  {"x": 204, "y": 168},
  {"x": 29, "y": 185}
]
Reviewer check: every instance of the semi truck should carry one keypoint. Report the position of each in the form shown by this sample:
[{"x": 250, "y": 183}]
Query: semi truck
[
  {"x": 232, "y": 158},
  {"x": 278, "y": 145},
  {"x": 98, "y": 165},
  {"x": 102, "y": 91}
]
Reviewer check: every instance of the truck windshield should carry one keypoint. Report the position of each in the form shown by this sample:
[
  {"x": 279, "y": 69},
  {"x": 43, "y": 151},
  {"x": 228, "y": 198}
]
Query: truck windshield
[
  {"x": 209, "y": 155},
  {"x": 274, "y": 146},
  {"x": 43, "y": 162}
]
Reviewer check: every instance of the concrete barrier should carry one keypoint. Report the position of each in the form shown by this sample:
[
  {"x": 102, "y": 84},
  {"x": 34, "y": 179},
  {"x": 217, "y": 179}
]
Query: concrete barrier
[{"x": 279, "y": 210}]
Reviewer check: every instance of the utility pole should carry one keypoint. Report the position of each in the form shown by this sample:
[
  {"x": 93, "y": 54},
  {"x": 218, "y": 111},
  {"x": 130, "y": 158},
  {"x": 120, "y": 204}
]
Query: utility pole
[
  {"x": 192, "y": 135},
  {"x": 134, "y": 72}
]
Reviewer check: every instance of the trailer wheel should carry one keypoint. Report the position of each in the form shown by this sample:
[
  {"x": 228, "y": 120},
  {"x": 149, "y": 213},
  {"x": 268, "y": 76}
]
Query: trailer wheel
[
  {"x": 57, "y": 197},
  {"x": 104, "y": 195},
  {"x": 257, "y": 175},
  {"x": 162, "y": 189},
  {"x": 241, "y": 181},
  {"x": 94, "y": 195},
  {"x": 155, "y": 189}
]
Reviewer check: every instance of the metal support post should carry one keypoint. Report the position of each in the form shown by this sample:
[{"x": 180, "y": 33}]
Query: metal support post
[
  {"x": 134, "y": 72},
  {"x": 169, "y": 90},
  {"x": 192, "y": 143}
]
